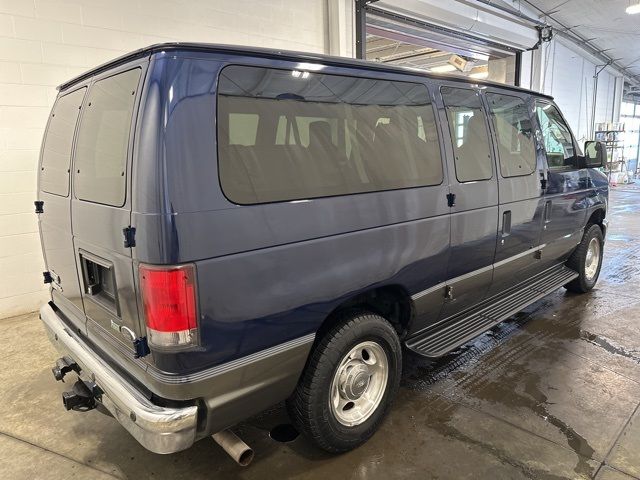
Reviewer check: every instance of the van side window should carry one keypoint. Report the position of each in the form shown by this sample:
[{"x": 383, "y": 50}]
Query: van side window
[
  {"x": 514, "y": 132},
  {"x": 556, "y": 135},
  {"x": 56, "y": 151},
  {"x": 103, "y": 140},
  {"x": 468, "y": 128},
  {"x": 292, "y": 135}
]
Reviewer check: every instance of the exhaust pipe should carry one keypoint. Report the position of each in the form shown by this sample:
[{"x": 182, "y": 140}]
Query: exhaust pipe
[{"x": 236, "y": 448}]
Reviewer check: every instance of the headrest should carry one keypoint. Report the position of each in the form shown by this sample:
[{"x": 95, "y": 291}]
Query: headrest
[
  {"x": 319, "y": 131},
  {"x": 386, "y": 131}
]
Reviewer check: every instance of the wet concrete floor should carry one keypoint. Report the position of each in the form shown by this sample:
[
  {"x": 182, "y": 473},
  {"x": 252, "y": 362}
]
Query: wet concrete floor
[{"x": 554, "y": 392}]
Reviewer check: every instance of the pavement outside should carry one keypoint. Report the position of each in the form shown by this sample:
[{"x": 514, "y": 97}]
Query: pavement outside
[{"x": 551, "y": 393}]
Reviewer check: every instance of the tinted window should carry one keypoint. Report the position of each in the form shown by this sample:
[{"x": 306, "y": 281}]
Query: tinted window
[
  {"x": 557, "y": 137},
  {"x": 469, "y": 135},
  {"x": 103, "y": 140},
  {"x": 286, "y": 135},
  {"x": 56, "y": 152},
  {"x": 511, "y": 120}
]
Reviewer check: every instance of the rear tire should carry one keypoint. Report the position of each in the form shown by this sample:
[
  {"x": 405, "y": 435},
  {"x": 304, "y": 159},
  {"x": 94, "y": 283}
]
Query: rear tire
[
  {"x": 349, "y": 382},
  {"x": 586, "y": 260}
]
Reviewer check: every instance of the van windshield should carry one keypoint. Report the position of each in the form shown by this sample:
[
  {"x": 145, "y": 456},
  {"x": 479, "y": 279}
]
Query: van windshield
[{"x": 289, "y": 134}]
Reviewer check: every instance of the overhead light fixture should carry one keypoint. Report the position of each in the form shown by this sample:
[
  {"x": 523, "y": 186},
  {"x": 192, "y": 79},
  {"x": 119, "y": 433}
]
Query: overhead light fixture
[
  {"x": 480, "y": 72},
  {"x": 479, "y": 75},
  {"x": 443, "y": 69},
  {"x": 633, "y": 9},
  {"x": 458, "y": 62}
]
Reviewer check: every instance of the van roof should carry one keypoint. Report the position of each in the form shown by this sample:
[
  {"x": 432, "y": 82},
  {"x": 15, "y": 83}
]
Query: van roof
[{"x": 284, "y": 55}]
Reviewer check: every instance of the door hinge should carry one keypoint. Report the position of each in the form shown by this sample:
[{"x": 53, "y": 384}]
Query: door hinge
[
  {"x": 47, "y": 277},
  {"x": 451, "y": 199},
  {"x": 448, "y": 292},
  {"x": 129, "y": 237},
  {"x": 543, "y": 181},
  {"x": 39, "y": 206},
  {"x": 141, "y": 347}
]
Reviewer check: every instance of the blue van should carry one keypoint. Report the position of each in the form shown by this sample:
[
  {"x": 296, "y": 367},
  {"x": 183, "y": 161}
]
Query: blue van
[{"x": 225, "y": 228}]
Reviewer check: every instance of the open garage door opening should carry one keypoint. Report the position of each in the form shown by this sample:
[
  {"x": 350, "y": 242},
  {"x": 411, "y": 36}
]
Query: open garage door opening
[
  {"x": 390, "y": 47},
  {"x": 435, "y": 38}
]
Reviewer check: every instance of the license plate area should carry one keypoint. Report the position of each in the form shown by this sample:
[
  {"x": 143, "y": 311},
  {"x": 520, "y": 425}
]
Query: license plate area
[{"x": 99, "y": 281}]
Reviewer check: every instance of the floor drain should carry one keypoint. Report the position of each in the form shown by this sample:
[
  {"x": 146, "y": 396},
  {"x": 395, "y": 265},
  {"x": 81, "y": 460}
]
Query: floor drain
[{"x": 284, "y": 433}]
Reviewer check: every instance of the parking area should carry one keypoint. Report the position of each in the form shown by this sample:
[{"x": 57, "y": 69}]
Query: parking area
[{"x": 554, "y": 392}]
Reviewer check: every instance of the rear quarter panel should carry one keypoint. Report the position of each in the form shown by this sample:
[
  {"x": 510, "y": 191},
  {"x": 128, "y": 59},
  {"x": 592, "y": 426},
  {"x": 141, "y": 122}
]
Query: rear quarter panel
[{"x": 266, "y": 273}]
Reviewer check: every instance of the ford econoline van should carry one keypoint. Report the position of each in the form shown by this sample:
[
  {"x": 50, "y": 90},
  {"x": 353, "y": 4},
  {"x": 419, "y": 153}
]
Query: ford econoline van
[{"x": 225, "y": 228}]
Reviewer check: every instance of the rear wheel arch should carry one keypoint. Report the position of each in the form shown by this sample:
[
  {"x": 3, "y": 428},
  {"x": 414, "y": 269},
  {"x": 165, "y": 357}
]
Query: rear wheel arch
[{"x": 392, "y": 302}]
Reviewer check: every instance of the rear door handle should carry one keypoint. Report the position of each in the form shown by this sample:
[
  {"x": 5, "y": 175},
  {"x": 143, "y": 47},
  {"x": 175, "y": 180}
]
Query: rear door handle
[{"x": 506, "y": 223}]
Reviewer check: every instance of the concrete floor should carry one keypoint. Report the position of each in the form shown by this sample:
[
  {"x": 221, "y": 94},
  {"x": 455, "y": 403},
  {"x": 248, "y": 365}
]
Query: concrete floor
[{"x": 552, "y": 393}]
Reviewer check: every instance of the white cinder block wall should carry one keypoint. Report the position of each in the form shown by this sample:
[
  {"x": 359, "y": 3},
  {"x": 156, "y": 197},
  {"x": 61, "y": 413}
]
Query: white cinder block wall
[
  {"x": 43, "y": 43},
  {"x": 569, "y": 78}
]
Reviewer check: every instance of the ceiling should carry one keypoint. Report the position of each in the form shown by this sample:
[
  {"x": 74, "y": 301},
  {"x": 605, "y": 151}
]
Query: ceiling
[{"x": 600, "y": 24}]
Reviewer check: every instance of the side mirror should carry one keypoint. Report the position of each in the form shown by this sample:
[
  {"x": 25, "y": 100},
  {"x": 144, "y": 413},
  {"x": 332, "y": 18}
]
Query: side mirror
[{"x": 595, "y": 154}]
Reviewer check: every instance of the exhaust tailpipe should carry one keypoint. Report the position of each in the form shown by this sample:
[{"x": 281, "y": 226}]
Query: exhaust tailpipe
[{"x": 236, "y": 448}]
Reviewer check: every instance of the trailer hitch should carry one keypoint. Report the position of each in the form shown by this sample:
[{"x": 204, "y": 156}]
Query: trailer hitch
[
  {"x": 82, "y": 397},
  {"x": 63, "y": 366}
]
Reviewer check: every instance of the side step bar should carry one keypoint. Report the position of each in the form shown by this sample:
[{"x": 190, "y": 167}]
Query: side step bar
[{"x": 436, "y": 340}]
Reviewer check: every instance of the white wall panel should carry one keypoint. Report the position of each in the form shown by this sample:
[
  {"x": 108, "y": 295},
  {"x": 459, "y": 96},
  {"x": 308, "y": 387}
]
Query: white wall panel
[{"x": 568, "y": 75}]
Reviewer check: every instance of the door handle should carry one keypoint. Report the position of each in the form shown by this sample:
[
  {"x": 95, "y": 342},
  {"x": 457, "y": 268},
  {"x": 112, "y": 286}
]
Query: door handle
[
  {"x": 547, "y": 211},
  {"x": 506, "y": 223}
]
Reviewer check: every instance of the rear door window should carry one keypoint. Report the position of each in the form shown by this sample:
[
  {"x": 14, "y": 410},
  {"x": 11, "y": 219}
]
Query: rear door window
[
  {"x": 512, "y": 123},
  {"x": 289, "y": 135},
  {"x": 469, "y": 135},
  {"x": 103, "y": 139},
  {"x": 56, "y": 151}
]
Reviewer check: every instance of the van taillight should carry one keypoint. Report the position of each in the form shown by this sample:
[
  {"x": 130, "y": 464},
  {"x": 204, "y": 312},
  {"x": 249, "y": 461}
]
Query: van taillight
[{"x": 170, "y": 308}]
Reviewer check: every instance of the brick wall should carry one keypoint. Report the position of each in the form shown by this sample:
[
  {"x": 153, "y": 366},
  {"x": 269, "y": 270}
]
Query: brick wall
[{"x": 43, "y": 43}]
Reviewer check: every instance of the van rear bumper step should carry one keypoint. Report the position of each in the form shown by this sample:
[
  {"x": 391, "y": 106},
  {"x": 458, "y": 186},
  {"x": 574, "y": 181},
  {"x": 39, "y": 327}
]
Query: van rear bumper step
[
  {"x": 159, "y": 429},
  {"x": 453, "y": 332}
]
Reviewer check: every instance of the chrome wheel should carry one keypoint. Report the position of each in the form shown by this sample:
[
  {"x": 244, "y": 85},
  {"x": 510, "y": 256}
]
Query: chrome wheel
[
  {"x": 359, "y": 383},
  {"x": 592, "y": 259}
]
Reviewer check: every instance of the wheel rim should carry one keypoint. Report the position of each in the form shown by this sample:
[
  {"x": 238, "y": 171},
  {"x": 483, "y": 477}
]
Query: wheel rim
[
  {"x": 359, "y": 383},
  {"x": 592, "y": 259}
]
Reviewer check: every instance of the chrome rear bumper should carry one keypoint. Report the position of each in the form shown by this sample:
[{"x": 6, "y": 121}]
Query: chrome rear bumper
[{"x": 159, "y": 429}]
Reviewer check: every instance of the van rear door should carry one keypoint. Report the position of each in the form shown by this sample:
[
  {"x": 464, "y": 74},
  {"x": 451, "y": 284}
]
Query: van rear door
[
  {"x": 54, "y": 193},
  {"x": 101, "y": 204}
]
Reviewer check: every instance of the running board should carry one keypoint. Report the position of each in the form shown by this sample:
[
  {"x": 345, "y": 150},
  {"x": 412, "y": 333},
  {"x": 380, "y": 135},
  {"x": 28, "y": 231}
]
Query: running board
[{"x": 437, "y": 340}]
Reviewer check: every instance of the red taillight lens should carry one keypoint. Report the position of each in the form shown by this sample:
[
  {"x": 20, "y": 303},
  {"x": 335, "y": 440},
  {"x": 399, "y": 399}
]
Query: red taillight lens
[{"x": 169, "y": 299}]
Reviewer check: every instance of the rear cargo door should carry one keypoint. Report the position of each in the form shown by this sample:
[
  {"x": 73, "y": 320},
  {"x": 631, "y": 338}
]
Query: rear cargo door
[
  {"x": 54, "y": 193},
  {"x": 101, "y": 205}
]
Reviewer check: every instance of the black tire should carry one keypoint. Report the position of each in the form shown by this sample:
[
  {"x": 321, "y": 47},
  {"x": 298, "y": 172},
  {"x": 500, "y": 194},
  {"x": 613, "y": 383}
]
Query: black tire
[
  {"x": 577, "y": 260},
  {"x": 309, "y": 406}
]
